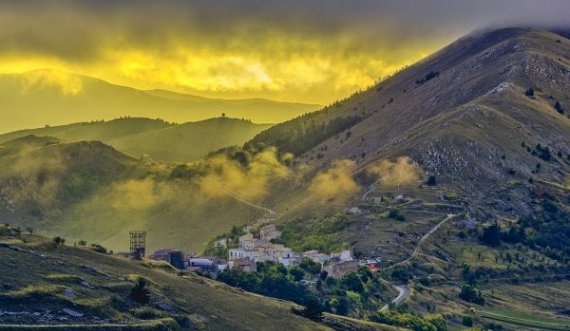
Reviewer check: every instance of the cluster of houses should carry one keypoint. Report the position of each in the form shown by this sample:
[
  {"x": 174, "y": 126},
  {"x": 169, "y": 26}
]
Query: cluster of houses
[{"x": 252, "y": 249}]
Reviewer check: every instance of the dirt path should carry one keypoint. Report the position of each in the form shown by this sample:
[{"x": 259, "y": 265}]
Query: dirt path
[{"x": 424, "y": 238}]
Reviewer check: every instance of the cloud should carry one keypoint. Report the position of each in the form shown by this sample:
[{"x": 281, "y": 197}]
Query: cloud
[
  {"x": 68, "y": 84},
  {"x": 393, "y": 173},
  {"x": 249, "y": 182},
  {"x": 335, "y": 184},
  {"x": 301, "y": 51}
]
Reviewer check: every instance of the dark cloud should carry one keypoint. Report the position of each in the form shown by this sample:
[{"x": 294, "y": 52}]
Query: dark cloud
[
  {"x": 255, "y": 45},
  {"x": 77, "y": 29}
]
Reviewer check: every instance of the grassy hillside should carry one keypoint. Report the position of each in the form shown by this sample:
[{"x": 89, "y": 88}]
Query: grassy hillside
[
  {"x": 157, "y": 139},
  {"x": 90, "y": 191},
  {"x": 42, "y": 97},
  {"x": 39, "y": 280}
]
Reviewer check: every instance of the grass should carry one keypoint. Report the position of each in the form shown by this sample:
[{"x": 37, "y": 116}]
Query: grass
[
  {"x": 518, "y": 318},
  {"x": 204, "y": 302},
  {"x": 154, "y": 325}
]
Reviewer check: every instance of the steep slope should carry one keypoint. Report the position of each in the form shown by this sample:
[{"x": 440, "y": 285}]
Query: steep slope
[
  {"x": 479, "y": 130},
  {"x": 43, "y": 97},
  {"x": 455, "y": 114},
  {"x": 157, "y": 139}
]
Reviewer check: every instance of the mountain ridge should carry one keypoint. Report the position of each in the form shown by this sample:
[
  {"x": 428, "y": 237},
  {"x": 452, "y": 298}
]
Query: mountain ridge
[{"x": 53, "y": 97}]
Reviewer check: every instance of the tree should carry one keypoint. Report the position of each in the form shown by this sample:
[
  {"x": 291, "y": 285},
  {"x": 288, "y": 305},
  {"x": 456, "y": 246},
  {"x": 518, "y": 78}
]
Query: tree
[
  {"x": 343, "y": 306},
  {"x": 471, "y": 294},
  {"x": 297, "y": 273},
  {"x": 352, "y": 282},
  {"x": 313, "y": 309},
  {"x": 59, "y": 240},
  {"x": 140, "y": 293},
  {"x": 310, "y": 266},
  {"x": 529, "y": 93}
]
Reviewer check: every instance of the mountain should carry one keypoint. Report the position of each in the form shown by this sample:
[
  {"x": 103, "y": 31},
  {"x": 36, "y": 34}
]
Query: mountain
[
  {"x": 157, "y": 139},
  {"x": 455, "y": 170},
  {"x": 462, "y": 114},
  {"x": 49, "y": 97}
]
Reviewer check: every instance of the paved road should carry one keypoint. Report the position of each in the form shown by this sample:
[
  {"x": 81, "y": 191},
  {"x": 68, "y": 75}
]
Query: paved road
[{"x": 403, "y": 294}]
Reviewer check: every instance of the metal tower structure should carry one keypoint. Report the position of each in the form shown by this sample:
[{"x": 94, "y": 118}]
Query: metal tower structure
[{"x": 138, "y": 243}]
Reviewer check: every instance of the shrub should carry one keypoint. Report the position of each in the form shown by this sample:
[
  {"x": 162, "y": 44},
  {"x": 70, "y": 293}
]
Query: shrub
[
  {"x": 59, "y": 240},
  {"x": 140, "y": 293},
  {"x": 558, "y": 107},
  {"x": 432, "y": 181},
  {"x": 310, "y": 266},
  {"x": 98, "y": 248},
  {"x": 352, "y": 282},
  {"x": 467, "y": 320},
  {"x": 471, "y": 294},
  {"x": 297, "y": 273},
  {"x": 492, "y": 235},
  {"x": 313, "y": 309}
]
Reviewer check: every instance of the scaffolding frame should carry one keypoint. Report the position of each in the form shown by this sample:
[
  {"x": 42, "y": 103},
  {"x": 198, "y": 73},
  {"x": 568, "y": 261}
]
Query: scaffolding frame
[{"x": 138, "y": 243}]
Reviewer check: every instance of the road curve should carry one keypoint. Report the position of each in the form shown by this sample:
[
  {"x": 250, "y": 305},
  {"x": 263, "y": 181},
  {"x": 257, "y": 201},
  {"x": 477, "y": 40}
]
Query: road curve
[{"x": 403, "y": 294}]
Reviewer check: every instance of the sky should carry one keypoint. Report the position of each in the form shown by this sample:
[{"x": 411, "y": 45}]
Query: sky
[{"x": 313, "y": 51}]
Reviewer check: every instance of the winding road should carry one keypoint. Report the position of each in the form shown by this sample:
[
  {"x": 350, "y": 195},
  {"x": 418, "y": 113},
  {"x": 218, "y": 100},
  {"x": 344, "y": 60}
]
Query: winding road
[{"x": 403, "y": 294}]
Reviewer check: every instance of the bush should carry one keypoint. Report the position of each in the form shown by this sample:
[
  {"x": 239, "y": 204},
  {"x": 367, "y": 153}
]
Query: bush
[
  {"x": 98, "y": 248},
  {"x": 59, "y": 240},
  {"x": 297, "y": 273},
  {"x": 558, "y": 107},
  {"x": 140, "y": 293},
  {"x": 467, "y": 320},
  {"x": 529, "y": 93},
  {"x": 352, "y": 282},
  {"x": 471, "y": 294},
  {"x": 492, "y": 235},
  {"x": 310, "y": 266},
  {"x": 313, "y": 309},
  {"x": 432, "y": 181}
]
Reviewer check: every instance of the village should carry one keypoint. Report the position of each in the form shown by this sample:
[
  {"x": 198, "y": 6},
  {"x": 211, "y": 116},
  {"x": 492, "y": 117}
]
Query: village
[{"x": 253, "y": 249}]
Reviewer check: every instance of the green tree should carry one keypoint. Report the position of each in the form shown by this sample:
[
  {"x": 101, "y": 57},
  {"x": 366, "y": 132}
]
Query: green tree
[{"x": 297, "y": 273}]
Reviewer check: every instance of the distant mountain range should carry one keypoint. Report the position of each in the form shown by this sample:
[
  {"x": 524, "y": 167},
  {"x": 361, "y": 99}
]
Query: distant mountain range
[
  {"x": 157, "y": 139},
  {"x": 49, "y": 97}
]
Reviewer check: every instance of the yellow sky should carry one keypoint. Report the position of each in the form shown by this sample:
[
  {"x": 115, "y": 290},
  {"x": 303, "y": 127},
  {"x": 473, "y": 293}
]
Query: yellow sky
[
  {"x": 267, "y": 49},
  {"x": 311, "y": 75}
]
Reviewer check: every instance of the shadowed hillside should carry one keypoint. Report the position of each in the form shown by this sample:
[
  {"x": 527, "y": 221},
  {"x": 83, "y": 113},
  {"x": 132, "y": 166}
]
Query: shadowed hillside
[{"x": 47, "y": 285}]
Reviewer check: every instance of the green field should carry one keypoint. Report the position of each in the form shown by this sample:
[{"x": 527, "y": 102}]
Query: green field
[{"x": 521, "y": 319}]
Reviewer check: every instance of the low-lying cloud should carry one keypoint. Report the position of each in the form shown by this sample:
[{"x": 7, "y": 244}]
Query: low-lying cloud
[
  {"x": 395, "y": 172},
  {"x": 335, "y": 184}
]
